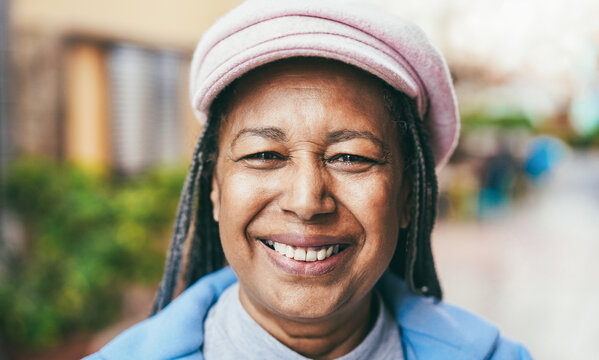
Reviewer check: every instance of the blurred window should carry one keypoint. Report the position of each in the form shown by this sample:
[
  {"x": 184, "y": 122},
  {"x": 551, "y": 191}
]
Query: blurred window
[{"x": 146, "y": 125}]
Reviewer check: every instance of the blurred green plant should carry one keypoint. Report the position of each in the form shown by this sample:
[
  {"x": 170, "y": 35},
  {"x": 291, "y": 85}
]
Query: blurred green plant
[
  {"x": 587, "y": 141},
  {"x": 87, "y": 237},
  {"x": 500, "y": 118}
]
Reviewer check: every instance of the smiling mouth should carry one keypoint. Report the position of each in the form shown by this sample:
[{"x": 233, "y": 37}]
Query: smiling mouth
[{"x": 306, "y": 254}]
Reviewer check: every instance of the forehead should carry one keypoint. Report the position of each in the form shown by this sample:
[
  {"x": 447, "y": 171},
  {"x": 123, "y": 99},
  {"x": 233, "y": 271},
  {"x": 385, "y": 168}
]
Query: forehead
[
  {"x": 340, "y": 86},
  {"x": 316, "y": 69}
]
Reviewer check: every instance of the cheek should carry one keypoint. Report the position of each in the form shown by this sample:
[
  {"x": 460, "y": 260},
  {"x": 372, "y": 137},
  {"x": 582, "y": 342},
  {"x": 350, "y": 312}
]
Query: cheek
[
  {"x": 242, "y": 197},
  {"x": 374, "y": 204}
]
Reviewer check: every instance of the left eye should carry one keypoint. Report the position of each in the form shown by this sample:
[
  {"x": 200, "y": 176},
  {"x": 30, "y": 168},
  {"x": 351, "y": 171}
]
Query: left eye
[
  {"x": 351, "y": 163},
  {"x": 349, "y": 158}
]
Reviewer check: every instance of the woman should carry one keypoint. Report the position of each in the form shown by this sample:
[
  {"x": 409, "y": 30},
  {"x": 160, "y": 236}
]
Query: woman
[{"x": 315, "y": 182}]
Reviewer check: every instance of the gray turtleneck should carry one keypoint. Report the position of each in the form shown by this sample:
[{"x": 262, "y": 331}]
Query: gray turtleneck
[{"x": 231, "y": 334}]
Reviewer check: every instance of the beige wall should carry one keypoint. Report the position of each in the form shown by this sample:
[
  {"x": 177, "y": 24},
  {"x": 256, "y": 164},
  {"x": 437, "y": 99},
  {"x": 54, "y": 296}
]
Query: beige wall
[{"x": 174, "y": 23}]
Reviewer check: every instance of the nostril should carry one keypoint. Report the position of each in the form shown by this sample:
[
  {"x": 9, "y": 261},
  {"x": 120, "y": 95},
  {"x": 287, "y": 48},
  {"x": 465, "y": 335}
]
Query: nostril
[
  {"x": 329, "y": 204},
  {"x": 306, "y": 206}
]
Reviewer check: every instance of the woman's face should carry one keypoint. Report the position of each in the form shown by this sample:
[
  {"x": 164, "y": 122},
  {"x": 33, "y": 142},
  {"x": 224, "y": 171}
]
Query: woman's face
[{"x": 308, "y": 189}]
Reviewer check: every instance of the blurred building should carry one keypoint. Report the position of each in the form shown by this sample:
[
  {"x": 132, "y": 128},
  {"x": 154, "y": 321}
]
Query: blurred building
[{"x": 104, "y": 83}]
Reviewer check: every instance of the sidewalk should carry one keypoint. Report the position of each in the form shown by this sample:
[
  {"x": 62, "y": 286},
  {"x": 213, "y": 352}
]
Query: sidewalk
[{"x": 534, "y": 272}]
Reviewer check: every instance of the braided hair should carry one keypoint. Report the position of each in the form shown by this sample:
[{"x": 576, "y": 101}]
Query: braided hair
[{"x": 413, "y": 259}]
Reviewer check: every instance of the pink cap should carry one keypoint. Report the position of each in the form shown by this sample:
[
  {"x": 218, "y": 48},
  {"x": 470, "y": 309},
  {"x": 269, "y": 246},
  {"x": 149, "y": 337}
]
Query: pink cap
[{"x": 397, "y": 51}]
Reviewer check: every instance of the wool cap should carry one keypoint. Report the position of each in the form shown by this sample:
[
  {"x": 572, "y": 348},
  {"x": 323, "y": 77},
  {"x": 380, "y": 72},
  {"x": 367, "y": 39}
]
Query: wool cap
[{"x": 395, "y": 50}]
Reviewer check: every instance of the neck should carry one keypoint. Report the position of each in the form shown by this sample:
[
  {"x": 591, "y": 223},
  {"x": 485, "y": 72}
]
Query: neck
[{"x": 328, "y": 338}]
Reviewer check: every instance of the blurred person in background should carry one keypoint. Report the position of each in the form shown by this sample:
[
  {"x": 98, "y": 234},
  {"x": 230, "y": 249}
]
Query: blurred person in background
[{"x": 311, "y": 196}]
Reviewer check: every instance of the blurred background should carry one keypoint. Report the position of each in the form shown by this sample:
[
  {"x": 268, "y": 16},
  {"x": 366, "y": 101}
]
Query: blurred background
[{"x": 96, "y": 133}]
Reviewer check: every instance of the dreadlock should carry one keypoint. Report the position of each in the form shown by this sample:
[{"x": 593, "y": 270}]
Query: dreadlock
[
  {"x": 183, "y": 219},
  {"x": 413, "y": 259},
  {"x": 205, "y": 253}
]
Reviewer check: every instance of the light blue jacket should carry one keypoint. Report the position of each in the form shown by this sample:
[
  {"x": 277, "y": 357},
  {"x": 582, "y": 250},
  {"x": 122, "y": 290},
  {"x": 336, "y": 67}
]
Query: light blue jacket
[{"x": 429, "y": 329}]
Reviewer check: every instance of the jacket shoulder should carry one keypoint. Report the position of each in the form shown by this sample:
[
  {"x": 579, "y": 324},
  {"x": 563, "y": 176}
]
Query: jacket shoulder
[
  {"x": 177, "y": 330},
  {"x": 432, "y": 329}
]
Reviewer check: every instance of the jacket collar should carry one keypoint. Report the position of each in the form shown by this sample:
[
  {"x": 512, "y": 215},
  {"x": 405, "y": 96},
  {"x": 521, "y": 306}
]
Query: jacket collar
[{"x": 429, "y": 328}]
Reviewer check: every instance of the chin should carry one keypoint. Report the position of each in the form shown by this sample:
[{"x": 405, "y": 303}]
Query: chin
[{"x": 305, "y": 303}]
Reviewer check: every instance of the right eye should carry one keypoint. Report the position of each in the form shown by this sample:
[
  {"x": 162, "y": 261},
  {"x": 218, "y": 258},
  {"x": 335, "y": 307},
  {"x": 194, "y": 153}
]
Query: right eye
[
  {"x": 264, "y": 156},
  {"x": 264, "y": 160}
]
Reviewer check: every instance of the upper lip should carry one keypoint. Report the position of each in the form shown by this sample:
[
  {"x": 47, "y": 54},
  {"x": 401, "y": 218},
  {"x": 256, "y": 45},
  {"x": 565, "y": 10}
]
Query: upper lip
[{"x": 299, "y": 240}]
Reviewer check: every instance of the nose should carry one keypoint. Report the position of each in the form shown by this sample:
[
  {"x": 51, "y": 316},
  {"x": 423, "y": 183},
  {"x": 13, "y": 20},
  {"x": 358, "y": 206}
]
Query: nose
[{"x": 306, "y": 191}]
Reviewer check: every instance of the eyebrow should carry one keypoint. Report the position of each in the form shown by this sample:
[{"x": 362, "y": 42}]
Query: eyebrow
[
  {"x": 272, "y": 133},
  {"x": 346, "y": 134},
  {"x": 276, "y": 134}
]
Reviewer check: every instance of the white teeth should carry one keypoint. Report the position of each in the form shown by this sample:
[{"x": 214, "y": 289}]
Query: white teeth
[
  {"x": 290, "y": 253},
  {"x": 304, "y": 254},
  {"x": 281, "y": 248},
  {"x": 300, "y": 254},
  {"x": 330, "y": 251},
  {"x": 321, "y": 254}
]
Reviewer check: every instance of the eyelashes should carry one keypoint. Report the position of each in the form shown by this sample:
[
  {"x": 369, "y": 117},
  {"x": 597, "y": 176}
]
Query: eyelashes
[
  {"x": 350, "y": 158},
  {"x": 265, "y": 156},
  {"x": 264, "y": 160},
  {"x": 352, "y": 163}
]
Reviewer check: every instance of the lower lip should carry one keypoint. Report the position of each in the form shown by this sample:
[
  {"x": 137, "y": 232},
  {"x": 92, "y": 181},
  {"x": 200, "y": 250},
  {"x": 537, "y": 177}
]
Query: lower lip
[{"x": 292, "y": 266}]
